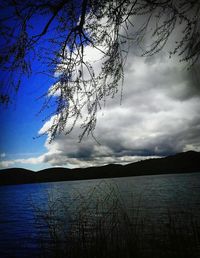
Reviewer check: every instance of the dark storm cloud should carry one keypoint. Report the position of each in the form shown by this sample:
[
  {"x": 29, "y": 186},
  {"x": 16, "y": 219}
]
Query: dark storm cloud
[
  {"x": 84, "y": 152},
  {"x": 194, "y": 80}
]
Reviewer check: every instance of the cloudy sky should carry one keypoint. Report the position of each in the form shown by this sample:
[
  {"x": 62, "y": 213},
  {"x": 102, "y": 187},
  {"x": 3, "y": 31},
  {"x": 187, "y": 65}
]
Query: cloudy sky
[{"x": 158, "y": 116}]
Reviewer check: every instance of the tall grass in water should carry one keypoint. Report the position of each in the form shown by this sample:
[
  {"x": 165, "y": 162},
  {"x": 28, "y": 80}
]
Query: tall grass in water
[{"x": 98, "y": 224}]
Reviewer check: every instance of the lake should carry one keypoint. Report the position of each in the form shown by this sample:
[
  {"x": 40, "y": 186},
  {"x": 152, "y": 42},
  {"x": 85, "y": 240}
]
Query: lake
[{"x": 30, "y": 212}]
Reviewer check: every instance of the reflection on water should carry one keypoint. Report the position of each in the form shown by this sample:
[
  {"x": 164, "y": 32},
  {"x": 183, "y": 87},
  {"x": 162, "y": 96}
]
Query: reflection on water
[{"x": 153, "y": 197}]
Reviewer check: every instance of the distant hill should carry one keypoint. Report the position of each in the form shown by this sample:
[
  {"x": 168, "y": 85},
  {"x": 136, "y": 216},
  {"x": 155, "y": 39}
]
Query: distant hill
[{"x": 185, "y": 162}]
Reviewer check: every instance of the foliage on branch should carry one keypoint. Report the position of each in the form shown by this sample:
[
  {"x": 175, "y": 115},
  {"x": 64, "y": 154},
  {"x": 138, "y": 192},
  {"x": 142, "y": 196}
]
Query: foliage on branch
[{"x": 69, "y": 28}]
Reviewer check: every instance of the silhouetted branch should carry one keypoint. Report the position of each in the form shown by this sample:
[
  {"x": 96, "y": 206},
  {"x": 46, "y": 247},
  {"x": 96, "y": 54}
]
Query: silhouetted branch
[{"x": 70, "y": 28}]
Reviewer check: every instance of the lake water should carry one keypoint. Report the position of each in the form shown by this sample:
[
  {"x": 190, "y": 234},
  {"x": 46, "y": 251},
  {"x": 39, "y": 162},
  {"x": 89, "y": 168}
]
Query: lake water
[{"x": 152, "y": 197}]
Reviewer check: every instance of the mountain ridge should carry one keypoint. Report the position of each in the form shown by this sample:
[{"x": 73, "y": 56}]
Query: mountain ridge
[{"x": 184, "y": 162}]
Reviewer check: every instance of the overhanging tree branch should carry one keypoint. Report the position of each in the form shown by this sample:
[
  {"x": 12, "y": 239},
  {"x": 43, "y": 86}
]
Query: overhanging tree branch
[{"x": 109, "y": 27}]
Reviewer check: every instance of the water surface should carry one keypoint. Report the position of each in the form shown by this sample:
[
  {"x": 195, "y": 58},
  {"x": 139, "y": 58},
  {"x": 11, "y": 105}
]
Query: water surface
[{"x": 154, "y": 197}]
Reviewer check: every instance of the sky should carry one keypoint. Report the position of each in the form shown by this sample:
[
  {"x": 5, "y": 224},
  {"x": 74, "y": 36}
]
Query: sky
[{"x": 158, "y": 116}]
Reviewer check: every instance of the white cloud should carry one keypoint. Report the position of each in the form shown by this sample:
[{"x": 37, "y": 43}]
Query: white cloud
[{"x": 159, "y": 115}]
